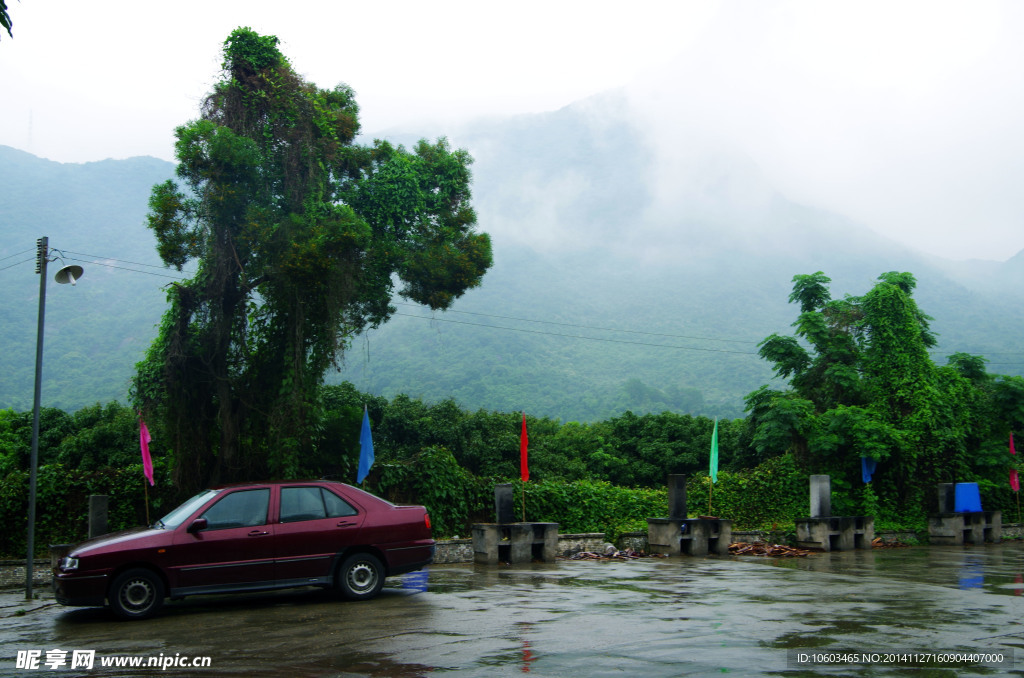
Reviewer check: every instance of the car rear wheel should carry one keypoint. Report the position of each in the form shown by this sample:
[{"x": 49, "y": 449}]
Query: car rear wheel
[
  {"x": 136, "y": 594},
  {"x": 360, "y": 577}
]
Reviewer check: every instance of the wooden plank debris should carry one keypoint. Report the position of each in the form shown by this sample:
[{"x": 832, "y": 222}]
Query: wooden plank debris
[
  {"x": 761, "y": 548},
  {"x": 613, "y": 554}
]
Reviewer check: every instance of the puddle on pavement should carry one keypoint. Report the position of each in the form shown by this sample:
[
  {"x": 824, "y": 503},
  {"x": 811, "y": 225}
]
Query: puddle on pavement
[{"x": 652, "y": 617}]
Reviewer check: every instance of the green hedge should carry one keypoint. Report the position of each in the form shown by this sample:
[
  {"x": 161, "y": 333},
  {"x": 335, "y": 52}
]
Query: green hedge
[
  {"x": 769, "y": 497},
  {"x": 62, "y": 503}
]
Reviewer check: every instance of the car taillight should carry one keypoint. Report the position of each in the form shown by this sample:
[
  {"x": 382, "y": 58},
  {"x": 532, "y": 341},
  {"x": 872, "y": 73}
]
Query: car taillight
[{"x": 426, "y": 520}]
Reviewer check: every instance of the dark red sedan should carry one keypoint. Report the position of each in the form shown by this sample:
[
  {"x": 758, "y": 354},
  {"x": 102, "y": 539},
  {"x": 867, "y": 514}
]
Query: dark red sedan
[{"x": 252, "y": 537}]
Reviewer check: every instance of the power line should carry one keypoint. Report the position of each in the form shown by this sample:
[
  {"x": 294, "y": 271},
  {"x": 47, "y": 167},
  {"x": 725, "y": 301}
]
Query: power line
[
  {"x": 678, "y": 336},
  {"x": 17, "y": 264},
  {"x": 120, "y": 261},
  {"x": 591, "y": 327},
  {"x": 101, "y": 260},
  {"x": 11, "y": 256},
  {"x": 123, "y": 268},
  {"x": 576, "y": 336},
  {"x": 620, "y": 341}
]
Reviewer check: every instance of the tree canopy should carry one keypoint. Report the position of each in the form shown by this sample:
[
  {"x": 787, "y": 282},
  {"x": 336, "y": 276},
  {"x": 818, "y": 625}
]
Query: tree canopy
[
  {"x": 5, "y": 18},
  {"x": 862, "y": 385},
  {"x": 300, "y": 236}
]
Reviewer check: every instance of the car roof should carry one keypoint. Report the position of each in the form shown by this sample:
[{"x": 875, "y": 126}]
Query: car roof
[{"x": 312, "y": 481}]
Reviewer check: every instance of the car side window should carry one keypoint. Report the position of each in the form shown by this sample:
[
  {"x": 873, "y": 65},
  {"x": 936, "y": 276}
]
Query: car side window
[
  {"x": 301, "y": 503},
  {"x": 245, "y": 508},
  {"x": 336, "y": 506}
]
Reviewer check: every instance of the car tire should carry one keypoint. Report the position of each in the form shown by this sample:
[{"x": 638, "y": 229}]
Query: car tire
[
  {"x": 136, "y": 594},
  {"x": 360, "y": 577}
]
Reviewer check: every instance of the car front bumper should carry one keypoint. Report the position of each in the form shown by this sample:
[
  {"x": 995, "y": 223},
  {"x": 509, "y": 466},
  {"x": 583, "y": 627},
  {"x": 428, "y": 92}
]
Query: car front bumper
[{"x": 80, "y": 590}]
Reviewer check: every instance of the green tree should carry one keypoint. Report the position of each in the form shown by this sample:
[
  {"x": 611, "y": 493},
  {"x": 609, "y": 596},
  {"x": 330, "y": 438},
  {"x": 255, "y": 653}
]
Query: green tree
[
  {"x": 5, "y": 18},
  {"x": 299, "y": 236},
  {"x": 863, "y": 385},
  {"x": 104, "y": 436}
]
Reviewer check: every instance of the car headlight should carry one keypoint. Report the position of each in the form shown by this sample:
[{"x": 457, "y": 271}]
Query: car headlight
[{"x": 68, "y": 563}]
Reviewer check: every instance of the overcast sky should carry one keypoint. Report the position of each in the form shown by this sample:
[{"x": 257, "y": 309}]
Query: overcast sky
[{"x": 904, "y": 115}]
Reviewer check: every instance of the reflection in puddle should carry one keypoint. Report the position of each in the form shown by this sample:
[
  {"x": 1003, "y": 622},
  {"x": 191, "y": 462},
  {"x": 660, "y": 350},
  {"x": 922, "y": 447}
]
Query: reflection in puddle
[
  {"x": 416, "y": 581},
  {"x": 972, "y": 572},
  {"x": 665, "y": 618},
  {"x": 528, "y": 656}
]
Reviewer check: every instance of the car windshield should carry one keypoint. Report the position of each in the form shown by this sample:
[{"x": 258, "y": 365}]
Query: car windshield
[{"x": 178, "y": 515}]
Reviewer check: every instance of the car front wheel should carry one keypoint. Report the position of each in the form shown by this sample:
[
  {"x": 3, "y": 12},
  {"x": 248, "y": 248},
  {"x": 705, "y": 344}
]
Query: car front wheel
[
  {"x": 136, "y": 594},
  {"x": 361, "y": 576}
]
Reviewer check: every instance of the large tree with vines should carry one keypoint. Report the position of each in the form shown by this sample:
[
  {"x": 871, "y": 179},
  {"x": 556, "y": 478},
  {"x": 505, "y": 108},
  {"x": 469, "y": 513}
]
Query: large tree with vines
[
  {"x": 862, "y": 384},
  {"x": 300, "y": 237}
]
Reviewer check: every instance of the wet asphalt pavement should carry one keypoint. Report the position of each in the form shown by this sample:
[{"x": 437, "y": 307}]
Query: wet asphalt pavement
[{"x": 649, "y": 617}]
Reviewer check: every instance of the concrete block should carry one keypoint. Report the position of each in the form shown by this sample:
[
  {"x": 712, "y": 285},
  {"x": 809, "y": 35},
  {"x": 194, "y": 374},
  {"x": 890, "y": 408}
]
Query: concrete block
[
  {"x": 691, "y": 537},
  {"x": 98, "y": 512},
  {"x": 503, "y": 503},
  {"x": 821, "y": 496},
  {"x": 664, "y": 535},
  {"x": 677, "y": 497},
  {"x": 835, "y": 533},
  {"x": 957, "y": 529},
  {"x": 947, "y": 498},
  {"x": 495, "y": 543}
]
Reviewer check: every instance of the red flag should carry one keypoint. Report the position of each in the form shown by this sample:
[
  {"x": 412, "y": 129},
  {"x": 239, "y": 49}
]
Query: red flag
[
  {"x": 147, "y": 461},
  {"x": 1012, "y": 451},
  {"x": 523, "y": 444}
]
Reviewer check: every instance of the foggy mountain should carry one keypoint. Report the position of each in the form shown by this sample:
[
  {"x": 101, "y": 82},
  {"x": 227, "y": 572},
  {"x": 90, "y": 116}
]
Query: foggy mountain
[
  {"x": 626, "y": 276},
  {"x": 593, "y": 228}
]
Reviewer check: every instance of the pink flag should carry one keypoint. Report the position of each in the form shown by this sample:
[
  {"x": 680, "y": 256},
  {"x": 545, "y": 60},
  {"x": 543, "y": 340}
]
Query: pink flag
[
  {"x": 524, "y": 467},
  {"x": 1014, "y": 480},
  {"x": 147, "y": 461}
]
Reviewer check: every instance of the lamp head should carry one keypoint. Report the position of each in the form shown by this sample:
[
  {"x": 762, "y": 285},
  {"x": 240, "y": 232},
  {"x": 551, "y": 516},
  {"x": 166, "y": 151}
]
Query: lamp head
[{"x": 69, "y": 274}]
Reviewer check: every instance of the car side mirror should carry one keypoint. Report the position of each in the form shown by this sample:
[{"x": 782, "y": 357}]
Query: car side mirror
[{"x": 197, "y": 525}]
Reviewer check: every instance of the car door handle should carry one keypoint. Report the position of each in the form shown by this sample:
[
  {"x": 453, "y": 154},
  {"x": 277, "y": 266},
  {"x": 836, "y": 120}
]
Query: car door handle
[
  {"x": 346, "y": 523},
  {"x": 257, "y": 533}
]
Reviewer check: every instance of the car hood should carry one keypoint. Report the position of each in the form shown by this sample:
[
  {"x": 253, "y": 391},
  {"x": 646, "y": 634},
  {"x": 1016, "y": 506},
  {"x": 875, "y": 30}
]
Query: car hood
[{"x": 120, "y": 540}]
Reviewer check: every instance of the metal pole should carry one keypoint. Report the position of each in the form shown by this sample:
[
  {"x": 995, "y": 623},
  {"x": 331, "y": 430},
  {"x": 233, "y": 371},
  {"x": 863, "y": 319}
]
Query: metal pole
[{"x": 43, "y": 248}]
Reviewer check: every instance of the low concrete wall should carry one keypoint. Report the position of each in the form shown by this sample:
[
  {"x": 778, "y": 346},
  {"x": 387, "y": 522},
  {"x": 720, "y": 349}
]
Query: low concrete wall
[
  {"x": 569, "y": 544},
  {"x": 12, "y": 573},
  {"x": 453, "y": 551},
  {"x": 461, "y": 550}
]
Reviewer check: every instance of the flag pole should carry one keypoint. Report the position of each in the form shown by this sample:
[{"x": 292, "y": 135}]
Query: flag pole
[
  {"x": 146, "y": 488},
  {"x": 524, "y": 467}
]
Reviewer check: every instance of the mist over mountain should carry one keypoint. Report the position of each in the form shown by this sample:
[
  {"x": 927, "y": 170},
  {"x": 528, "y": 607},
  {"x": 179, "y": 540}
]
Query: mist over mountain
[
  {"x": 626, "y": 276},
  {"x": 593, "y": 228}
]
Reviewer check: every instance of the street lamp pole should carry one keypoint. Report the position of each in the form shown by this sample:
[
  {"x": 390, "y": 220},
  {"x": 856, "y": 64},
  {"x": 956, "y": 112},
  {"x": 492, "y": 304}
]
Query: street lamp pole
[
  {"x": 68, "y": 274},
  {"x": 42, "y": 249}
]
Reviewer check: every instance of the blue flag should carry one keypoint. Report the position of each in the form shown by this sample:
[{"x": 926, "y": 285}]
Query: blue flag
[
  {"x": 867, "y": 468},
  {"x": 365, "y": 448}
]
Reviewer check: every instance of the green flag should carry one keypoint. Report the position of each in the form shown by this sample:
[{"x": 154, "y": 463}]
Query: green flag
[{"x": 714, "y": 453}]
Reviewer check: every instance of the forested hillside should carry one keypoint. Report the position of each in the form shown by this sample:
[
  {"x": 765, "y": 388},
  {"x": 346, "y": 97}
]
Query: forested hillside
[
  {"x": 605, "y": 295},
  {"x": 94, "y": 216}
]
